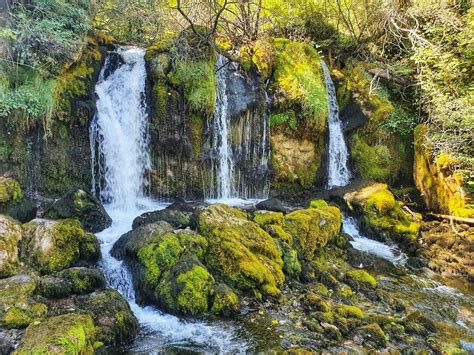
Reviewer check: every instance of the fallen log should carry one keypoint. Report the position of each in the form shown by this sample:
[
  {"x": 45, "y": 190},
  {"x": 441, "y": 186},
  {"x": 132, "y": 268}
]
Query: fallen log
[
  {"x": 385, "y": 74},
  {"x": 450, "y": 218}
]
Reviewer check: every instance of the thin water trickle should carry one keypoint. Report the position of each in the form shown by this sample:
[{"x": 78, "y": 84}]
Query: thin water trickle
[
  {"x": 120, "y": 157},
  {"x": 338, "y": 171}
]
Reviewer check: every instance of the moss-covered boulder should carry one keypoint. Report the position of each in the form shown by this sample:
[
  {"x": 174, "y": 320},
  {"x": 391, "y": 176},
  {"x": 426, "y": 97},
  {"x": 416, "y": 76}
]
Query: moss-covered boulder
[
  {"x": 382, "y": 215},
  {"x": 76, "y": 280},
  {"x": 82, "y": 206},
  {"x": 178, "y": 219},
  {"x": 372, "y": 334},
  {"x": 360, "y": 280},
  {"x": 71, "y": 333},
  {"x": 186, "y": 288},
  {"x": 10, "y": 236},
  {"x": 22, "y": 314},
  {"x": 225, "y": 301},
  {"x": 443, "y": 187},
  {"x": 114, "y": 321},
  {"x": 312, "y": 228},
  {"x": 50, "y": 246},
  {"x": 10, "y": 191},
  {"x": 264, "y": 218},
  {"x": 240, "y": 252}
]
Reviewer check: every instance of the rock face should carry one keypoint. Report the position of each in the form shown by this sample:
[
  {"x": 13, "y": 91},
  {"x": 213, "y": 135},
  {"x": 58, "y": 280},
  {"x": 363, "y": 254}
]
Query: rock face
[
  {"x": 382, "y": 216},
  {"x": 10, "y": 237},
  {"x": 82, "y": 206},
  {"x": 51, "y": 246},
  {"x": 442, "y": 187}
]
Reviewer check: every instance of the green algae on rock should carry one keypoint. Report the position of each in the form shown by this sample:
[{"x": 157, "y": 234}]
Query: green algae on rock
[
  {"x": 360, "y": 280},
  {"x": 225, "y": 301},
  {"x": 240, "y": 252},
  {"x": 71, "y": 333},
  {"x": 51, "y": 246},
  {"x": 312, "y": 228},
  {"x": 10, "y": 190},
  {"x": 10, "y": 236}
]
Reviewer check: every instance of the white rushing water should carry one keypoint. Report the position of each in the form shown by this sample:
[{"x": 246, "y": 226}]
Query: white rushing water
[
  {"x": 225, "y": 168},
  {"x": 338, "y": 171},
  {"x": 120, "y": 129},
  {"x": 119, "y": 142},
  {"x": 362, "y": 243}
]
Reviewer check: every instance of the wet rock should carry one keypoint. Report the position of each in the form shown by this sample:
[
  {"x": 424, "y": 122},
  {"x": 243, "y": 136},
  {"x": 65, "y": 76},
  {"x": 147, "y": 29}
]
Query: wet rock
[
  {"x": 50, "y": 246},
  {"x": 225, "y": 301},
  {"x": 78, "y": 280},
  {"x": 23, "y": 210},
  {"x": 114, "y": 320},
  {"x": 360, "y": 280},
  {"x": 272, "y": 204},
  {"x": 82, "y": 206},
  {"x": 69, "y": 333},
  {"x": 10, "y": 236},
  {"x": 240, "y": 252},
  {"x": 373, "y": 335},
  {"x": 176, "y": 218},
  {"x": 416, "y": 263},
  {"x": 312, "y": 228}
]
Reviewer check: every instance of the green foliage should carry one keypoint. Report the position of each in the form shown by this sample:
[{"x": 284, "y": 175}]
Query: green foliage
[
  {"x": 400, "y": 121},
  {"x": 286, "y": 119}
]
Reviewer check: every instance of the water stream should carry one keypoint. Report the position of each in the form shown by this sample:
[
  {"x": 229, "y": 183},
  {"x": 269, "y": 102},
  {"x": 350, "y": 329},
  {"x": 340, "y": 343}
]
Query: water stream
[{"x": 119, "y": 142}]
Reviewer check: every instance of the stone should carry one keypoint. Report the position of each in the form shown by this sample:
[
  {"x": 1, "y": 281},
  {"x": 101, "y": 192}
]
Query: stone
[
  {"x": 272, "y": 204},
  {"x": 23, "y": 210},
  {"x": 174, "y": 217},
  {"x": 82, "y": 206},
  {"x": 10, "y": 236}
]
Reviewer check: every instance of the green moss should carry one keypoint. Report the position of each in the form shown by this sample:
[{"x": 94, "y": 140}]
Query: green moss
[
  {"x": 320, "y": 289},
  {"x": 312, "y": 228},
  {"x": 20, "y": 317},
  {"x": 240, "y": 252},
  {"x": 318, "y": 204},
  {"x": 67, "y": 334},
  {"x": 347, "y": 311},
  {"x": 10, "y": 190},
  {"x": 11, "y": 235},
  {"x": 263, "y": 218},
  {"x": 277, "y": 232},
  {"x": 196, "y": 127},
  {"x": 314, "y": 302},
  {"x": 373, "y": 334},
  {"x": 198, "y": 77},
  {"x": 158, "y": 257},
  {"x": 53, "y": 246},
  {"x": 225, "y": 301},
  {"x": 187, "y": 288},
  {"x": 361, "y": 279},
  {"x": 299, "y": 80},
  {"x": 344, "y": 291}
]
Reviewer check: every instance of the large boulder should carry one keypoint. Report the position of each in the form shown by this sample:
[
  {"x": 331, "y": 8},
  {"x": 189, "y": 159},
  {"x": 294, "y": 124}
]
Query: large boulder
[
  {"x": 312, "y": 228},
  {"x": 82, "y": 206},
  {"x": 10, "y": 236},
  {"x": 177, "y": 218},
  {"x": 114, "y": 320},
  {"x": 71, "y": 333},
  {"x": 50, "y": 246},
  {"x": 382, "y": 215},
  {"x": 240, "y": 252}
]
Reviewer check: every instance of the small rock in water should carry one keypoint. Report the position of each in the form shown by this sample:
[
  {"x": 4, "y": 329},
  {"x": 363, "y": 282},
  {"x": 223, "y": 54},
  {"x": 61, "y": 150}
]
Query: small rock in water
[{"x": 272, "y": 204}]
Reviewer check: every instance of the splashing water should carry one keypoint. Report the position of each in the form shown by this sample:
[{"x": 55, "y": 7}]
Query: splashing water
[
  {"x": 119, "y": 131},
  {"x": 119, "y": 145},
  {"x": 338, "y": 171}
]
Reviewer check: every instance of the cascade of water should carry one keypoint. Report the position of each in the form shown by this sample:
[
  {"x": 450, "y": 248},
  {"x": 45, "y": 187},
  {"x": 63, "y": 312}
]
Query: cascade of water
[
  {"x": 225, "y": 166},
  {"x": 338, "y": 171},
  {"x": 120, "y": 158},
  {"x": 241, "y": 149},
  {"x": 119, "y": 131}
]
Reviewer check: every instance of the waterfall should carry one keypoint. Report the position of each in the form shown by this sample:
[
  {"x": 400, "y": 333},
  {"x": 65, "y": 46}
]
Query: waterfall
[
  {"x": 221, "y": 126},
  {"x": 120, "y": 164},
  {"x": 338, "y": 171},
  {"x": 119, "y": 131},
  {"x": 240, "y": 144}
]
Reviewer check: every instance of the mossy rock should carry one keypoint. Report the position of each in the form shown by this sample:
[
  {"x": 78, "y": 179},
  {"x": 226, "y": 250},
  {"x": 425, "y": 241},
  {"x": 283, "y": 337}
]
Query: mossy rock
[
  {"x": 193, "y": 243},
  {"x": 360, "y": 280},
  {"x": 382, "y": 215},
  {"x": 22, "y": 314},
  {"x": 187, "y": 287},
  {"x": 263, "y": 218},
  {"x": 10, "y": 236},
  {"x": 318, "y": 204},
  {"x": 240, "y": 252},
  {"x": 176, "y": 218},
  {"x": 348, "y": 311},
  {"x": 315, "y": 303},
  {"x": 50, "y": 246},
  {"x": 114, "y": 320},
  {"x": 373, "y": 334},
  {"x": 312, "y": 228},
  {"x": 77, "y": 280},
  {"x": 82, "y": 206},
  {"x": 65, "y": 334},
  {"x": 416, "y": 323},
  {"x": 10, "y": 191},
  {"x": 225, "y": 301}
]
